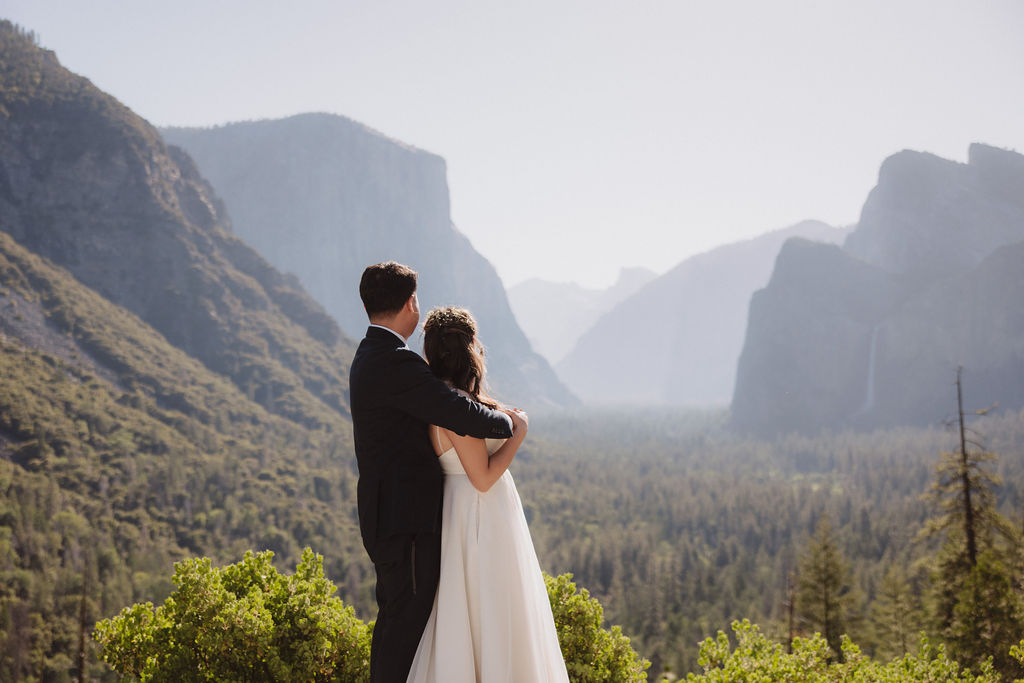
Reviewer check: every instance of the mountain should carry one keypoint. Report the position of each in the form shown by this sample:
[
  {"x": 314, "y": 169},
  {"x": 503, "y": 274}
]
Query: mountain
[
  {"x": 555, "y": 314},
  {"x": 676, "y": 340},
  {"x": 929, "y": 216},
  {"x": 323, "y": 197},
  {"x": 870, "y": 335},
  {"x": 91, "y": 186},
  {"x": 166, "y": 392}
]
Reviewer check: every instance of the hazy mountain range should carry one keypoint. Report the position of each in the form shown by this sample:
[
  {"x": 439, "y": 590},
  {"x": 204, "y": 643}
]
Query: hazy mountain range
[
  {"x": 555, "y": 314},
  {"x": 323, "y": 197},
  {"x": 676, "y": 340}
]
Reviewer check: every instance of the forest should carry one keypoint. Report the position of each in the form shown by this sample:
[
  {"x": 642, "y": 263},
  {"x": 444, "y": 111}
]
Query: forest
[{"x": 677, "y": 527}]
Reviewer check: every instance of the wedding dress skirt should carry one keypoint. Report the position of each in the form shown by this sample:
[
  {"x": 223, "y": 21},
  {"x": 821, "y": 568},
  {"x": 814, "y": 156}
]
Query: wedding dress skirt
[{"x": 491, "y": 621}]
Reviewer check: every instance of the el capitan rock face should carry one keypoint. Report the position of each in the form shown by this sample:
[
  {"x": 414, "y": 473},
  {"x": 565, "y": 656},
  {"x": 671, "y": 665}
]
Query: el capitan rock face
[
  {"x": 870, "y": 335},
  {"x": 91, "y": 186},
  {"x": 322, "y": 196}
]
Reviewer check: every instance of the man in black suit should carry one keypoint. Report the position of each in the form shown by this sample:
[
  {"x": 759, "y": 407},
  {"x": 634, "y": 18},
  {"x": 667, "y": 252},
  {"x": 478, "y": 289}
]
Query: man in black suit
[{"x": 394, "y": 397}]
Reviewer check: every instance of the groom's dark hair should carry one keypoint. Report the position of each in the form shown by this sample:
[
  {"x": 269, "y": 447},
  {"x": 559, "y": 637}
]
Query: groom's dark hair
[{"x": 385, "y": 287}]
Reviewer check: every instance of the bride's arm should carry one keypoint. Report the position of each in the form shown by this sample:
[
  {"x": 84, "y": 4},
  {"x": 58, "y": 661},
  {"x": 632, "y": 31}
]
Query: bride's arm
[{"x": 484, "y": 470}]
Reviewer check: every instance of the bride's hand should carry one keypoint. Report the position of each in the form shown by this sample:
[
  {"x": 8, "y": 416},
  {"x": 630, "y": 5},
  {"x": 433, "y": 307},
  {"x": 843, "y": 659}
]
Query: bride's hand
[{"x": 520, "y": 420}]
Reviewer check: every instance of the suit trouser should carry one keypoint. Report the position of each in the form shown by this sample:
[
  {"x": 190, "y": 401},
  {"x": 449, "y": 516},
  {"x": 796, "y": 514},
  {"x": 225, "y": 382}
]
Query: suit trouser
[{"x": 406, "y": 586}]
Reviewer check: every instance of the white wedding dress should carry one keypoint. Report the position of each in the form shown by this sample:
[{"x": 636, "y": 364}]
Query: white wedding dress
[{"x": 491, "y": 621}]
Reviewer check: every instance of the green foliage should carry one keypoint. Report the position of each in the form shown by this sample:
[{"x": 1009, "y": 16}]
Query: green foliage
[
  {"x": 120, "y": 454},
  {"x": 247, "y": 622},
  {"x": 976, "y": 605},
  {"x": 243, "y": 622},
  {"x": 987, "y": 617},
  {"x": 964, "y": 494},
  {"x": 756, "y": 659},
  {"x": 896, "y": 612},
  {"x": 824, "y": 599},
  {"x": 679, "y": 528},
  {"x": 592, "y": 654}
]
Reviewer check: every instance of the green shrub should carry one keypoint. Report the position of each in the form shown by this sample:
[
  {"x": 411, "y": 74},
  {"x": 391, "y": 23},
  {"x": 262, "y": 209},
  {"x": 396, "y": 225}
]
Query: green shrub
[
  {"x": 243, "y": 622},
  {"x": 591, "y": 653},
  {"x": 757, "y": 659}
]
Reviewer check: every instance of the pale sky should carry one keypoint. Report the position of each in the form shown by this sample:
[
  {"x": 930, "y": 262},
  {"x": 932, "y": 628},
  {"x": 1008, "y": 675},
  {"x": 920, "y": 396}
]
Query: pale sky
[{"x": 584, "y": 136}]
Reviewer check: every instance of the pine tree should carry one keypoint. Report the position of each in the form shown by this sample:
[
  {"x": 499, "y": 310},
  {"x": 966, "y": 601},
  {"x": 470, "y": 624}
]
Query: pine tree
[
  {"x": 825, "y": 598},
  {"x": 896, "y": 613},
  {"x": 975, "y": 605}
]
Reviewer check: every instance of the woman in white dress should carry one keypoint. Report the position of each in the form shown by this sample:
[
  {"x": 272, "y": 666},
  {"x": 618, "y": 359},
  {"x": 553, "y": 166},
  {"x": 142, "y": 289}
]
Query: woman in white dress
[{"x": 491, "y": 621}]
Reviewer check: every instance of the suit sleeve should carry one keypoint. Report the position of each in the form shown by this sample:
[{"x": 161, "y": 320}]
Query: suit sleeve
[{"x": 418, "y": 392}]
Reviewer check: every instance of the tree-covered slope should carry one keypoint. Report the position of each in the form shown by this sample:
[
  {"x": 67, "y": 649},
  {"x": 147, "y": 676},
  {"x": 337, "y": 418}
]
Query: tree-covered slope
[
  {"x": 164, "y": 391},
  {"x": 119, "y": 454}
]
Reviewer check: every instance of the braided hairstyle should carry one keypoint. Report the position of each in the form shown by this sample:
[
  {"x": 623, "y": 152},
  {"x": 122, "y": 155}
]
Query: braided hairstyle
[{"x": 453, "y": 352}]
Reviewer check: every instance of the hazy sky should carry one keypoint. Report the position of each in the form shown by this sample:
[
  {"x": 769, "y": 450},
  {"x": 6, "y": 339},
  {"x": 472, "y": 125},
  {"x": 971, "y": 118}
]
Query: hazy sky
[{"x": 585, "y": 136}]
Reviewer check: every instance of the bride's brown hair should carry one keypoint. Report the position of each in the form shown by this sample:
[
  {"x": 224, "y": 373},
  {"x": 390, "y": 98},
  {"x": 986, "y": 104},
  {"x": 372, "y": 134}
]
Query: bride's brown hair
[{"x": 454, "y": 353}]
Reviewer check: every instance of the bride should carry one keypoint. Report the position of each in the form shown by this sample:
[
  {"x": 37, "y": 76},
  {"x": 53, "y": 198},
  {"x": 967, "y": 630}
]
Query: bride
[{"x": 491, "y": 619}]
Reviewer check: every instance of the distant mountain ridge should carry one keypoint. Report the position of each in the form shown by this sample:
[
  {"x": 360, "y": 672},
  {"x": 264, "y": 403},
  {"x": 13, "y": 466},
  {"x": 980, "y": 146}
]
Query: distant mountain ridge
[
  {"x": 869, "y": 335},
  {"x": 323, "y": 197},
  {"x": 676, "y": 340},
  {"x": 555, "y": 315}
]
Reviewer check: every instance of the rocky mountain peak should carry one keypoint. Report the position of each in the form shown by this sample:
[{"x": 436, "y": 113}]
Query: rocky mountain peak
[{"x": 932, "y": 216}]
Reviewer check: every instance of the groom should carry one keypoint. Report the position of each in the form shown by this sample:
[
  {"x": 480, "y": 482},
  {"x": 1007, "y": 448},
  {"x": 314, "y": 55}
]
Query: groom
[{"x": 394, "y": 396}]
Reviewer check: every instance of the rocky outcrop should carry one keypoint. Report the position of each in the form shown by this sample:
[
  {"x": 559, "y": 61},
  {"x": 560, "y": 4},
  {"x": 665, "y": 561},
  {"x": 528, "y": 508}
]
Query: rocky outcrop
[
  {"x": 322, "y": 196},
  {"x": 92, "y": 187},
  {"x": 931, "y": 217},
  {"x": 676, "y": 340},
  {"x": 870, "y": 335},
  {"x": 813, "y": 325}
]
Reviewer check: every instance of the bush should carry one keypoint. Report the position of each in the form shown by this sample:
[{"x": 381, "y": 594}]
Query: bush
[
  {"x": 758, "y": 659},
  {"x": 247, "y": 622},
  {"x": 243, "y": 622},
  {"x": 591, "y": 653}
]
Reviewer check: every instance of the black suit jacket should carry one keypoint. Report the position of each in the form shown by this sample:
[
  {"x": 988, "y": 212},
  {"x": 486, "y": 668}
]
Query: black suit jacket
[{"x": 394, "y": 397}]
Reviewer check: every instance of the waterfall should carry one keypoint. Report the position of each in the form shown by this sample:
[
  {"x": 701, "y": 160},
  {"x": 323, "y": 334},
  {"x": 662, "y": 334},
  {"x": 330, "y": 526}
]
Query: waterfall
[{"x": 869, "y": 395}]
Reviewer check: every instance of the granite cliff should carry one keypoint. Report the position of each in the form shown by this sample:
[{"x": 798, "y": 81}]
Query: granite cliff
[
  {"x": 322, "y": 196},
  {"x": 870, "y": 335}
]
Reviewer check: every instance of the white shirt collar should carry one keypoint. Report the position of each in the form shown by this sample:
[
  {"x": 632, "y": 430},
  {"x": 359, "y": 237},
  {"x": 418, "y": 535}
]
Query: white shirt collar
[{"x": 400, "y": 337}]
